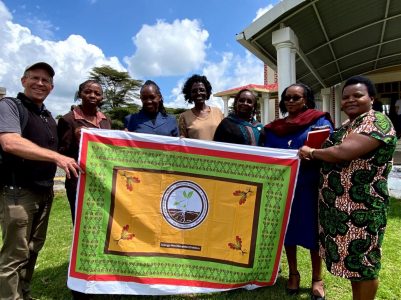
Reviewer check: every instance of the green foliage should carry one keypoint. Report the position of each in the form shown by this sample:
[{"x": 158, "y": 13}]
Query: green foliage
[
  {"x": 118, "y": 114},
  {"x": 120, "y": 91},
  {"x": 175, "y": 111},
  {"x": 119, "y": 88}
]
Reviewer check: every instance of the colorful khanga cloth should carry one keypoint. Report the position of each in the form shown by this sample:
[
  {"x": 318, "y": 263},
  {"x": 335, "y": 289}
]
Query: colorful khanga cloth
[
  {"x": 162, "y": 215},
  {"x": 250, "y": 130},
  {"x": 354, "y": 199}
]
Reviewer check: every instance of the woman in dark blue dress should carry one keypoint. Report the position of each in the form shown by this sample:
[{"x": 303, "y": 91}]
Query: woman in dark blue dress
[
  {"x": 297, "y": 104},
  {"x": 152, "y": 118}
]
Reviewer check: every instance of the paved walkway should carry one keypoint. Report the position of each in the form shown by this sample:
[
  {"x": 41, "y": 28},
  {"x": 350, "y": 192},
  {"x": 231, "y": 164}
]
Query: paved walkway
[
  {"x": 397, "y": 153},
  {"x": 59, "y": 180},
  {"x": 394, "y": 182}
]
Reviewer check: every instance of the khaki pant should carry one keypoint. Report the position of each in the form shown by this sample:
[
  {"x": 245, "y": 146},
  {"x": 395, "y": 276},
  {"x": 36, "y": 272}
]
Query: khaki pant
[{"x": 24, "y": 216}]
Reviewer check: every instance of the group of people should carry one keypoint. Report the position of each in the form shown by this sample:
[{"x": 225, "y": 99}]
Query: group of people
[{"x": 340, "y": 202}]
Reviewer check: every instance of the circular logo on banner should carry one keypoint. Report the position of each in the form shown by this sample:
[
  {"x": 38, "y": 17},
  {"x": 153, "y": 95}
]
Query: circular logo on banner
[{"x": 184, "y": 204}]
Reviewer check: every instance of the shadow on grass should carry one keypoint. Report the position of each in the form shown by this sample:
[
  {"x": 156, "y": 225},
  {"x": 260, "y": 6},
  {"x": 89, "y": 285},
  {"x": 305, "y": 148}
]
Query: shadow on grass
[{"x": 51, "y": 283}]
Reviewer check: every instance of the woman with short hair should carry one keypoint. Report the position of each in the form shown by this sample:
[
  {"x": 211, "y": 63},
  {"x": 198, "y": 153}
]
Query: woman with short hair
[
  {"x": 353, "y": 198},
  {"x": 201, "y": 121},
  {"x": 84, "y": 115}
]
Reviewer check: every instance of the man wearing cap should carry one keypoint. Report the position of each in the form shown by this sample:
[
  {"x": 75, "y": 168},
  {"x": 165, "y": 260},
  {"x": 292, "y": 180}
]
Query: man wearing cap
[{"x": 28, "y": 169}]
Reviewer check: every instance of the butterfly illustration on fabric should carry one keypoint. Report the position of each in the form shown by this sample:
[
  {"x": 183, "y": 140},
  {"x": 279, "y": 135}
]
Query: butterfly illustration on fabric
[
  {"x": 237, "y": 245},
  {"x": 243, "y": 195}
]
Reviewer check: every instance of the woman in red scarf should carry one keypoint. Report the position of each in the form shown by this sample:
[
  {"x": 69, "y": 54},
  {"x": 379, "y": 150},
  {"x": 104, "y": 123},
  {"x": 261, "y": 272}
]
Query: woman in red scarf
[{"x": 297, "y": 104}]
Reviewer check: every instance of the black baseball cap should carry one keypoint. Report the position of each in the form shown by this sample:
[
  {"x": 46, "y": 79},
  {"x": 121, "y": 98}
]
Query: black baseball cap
[{"x": 41, "y": 65}]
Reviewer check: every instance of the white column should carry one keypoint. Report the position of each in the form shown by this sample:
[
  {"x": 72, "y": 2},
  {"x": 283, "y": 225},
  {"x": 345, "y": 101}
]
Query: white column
[
  {"x": 293, "y": 66},
  {"x": 326, "y": 93},
  {"x": 265, "y": 101},
  {"x": 286, "y": 44},
  {"x": 225, "y": 101},
  {"x": 337, "y": 105},
  {"x": 259, "y": 100}
]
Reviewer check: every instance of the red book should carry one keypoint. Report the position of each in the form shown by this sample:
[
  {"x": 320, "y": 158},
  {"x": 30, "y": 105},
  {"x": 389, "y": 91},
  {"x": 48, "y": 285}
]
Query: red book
[{"x": 316, "y": 138}]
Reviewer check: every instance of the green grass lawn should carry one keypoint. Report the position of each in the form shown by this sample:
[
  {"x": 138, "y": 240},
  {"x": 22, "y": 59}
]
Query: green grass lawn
[{"x": 50, "y": 276}]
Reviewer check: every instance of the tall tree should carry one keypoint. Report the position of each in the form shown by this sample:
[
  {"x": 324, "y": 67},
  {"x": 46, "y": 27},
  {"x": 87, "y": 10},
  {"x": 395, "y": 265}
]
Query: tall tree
[{"x": 120, "y": 90}]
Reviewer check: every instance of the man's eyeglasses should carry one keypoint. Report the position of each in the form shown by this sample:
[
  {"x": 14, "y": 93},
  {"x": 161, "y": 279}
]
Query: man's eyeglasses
[
  {"x": 45, "y": 81},
  {"x": 295, "y": 98}
]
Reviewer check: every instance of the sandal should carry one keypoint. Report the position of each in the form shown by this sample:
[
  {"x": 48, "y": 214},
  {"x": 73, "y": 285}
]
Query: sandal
[
  {"x": 292, "y": 277},
  {"x": 319, "y": 283}
]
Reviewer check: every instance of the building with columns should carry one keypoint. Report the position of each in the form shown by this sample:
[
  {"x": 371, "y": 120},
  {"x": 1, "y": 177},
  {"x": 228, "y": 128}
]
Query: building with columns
[
  {"x": 323, "y": 42},
  {"x": 266, "y": 96}
]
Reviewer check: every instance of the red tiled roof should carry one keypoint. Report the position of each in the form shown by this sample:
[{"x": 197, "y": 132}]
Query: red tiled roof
[{"x": 268, "y": 88}]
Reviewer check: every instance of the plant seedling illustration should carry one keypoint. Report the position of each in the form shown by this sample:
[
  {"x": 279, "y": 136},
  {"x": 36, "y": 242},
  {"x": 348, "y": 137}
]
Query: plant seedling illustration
[{"x": 182, "y": 205}]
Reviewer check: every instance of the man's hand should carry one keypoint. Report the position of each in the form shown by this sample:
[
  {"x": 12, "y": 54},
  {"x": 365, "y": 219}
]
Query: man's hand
[
  {"x": 68, "y": 164},
  {"x": 15, "y": 144}
]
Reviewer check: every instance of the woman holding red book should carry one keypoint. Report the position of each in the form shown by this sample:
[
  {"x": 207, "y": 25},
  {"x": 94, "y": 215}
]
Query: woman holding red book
[{"x": 297, "y": 105}]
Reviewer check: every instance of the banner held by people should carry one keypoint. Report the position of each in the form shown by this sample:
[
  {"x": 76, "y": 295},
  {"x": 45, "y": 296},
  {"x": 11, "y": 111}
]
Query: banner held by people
[{"x": 161, "y": 215}]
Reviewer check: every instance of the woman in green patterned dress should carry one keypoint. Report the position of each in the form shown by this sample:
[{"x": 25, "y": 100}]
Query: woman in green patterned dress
[{"x": 353, "y": 194}]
